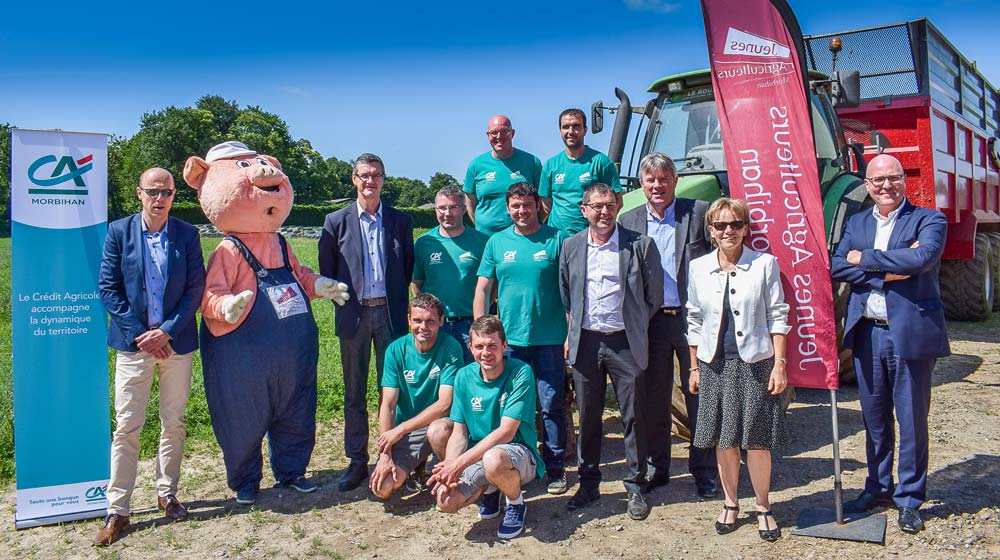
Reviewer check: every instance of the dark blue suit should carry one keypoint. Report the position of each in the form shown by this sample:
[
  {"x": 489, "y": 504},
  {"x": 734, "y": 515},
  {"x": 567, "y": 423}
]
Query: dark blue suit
[
  {"x": 123, "y": 288},
  {"x": 894, "y": 362},
  {"x": 341, "y": 256}
]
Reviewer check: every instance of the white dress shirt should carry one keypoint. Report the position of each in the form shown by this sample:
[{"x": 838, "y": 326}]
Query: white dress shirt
[
  {"x": 603, "y": 300},
  {"x": 875, "y": 306}
]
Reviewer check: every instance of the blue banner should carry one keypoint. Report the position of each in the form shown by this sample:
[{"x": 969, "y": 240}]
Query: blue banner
[{"x": 59, "y": 326}]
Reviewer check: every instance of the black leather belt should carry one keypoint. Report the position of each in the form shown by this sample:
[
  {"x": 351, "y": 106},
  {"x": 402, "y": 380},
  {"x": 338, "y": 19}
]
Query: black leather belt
[
  {"x": 599, "y": 333},
  {"x": 373, "y": 302},
  {"x": 879, "y": 322},
  {"x": 456, "y": 319},
  {"x": 671, "y": 310}
]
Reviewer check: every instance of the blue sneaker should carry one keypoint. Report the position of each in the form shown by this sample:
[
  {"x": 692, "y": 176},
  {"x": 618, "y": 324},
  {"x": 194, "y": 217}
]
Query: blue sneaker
[
  {"x": 513, "y": 521},
  {"x": 302, "y": 484},
  {"x": 247, "y": 496},
  {"x": 489, "y": 505}
]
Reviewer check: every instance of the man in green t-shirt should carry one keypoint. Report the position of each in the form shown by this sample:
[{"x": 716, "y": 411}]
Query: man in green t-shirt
[
  {"x": 446, "y": 264},
  {"x": 490, "y": 174},
  {"x": 493, "y": 444},
  {"x": 417, "y": 378},
  {"x": 523, "y": 262},
  {"x": 566, "y": 174}
]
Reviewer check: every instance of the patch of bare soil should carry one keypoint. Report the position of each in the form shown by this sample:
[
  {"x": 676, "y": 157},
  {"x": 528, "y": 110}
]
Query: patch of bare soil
[{"x": 962, "y": 515}]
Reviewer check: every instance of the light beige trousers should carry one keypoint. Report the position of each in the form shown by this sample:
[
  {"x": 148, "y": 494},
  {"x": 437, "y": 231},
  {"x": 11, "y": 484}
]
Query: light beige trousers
[{"x": 134, "y": 373}]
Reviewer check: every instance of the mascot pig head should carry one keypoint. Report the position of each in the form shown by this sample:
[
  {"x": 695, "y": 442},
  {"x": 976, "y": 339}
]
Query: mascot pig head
[{"x": 240, "y": 191}]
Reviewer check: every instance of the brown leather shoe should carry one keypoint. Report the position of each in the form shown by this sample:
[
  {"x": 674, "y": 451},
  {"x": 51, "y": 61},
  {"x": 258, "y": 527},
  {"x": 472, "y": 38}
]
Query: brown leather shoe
[
  {"x": 172, "y": 508},
  {"x": 114, "y": 527}
]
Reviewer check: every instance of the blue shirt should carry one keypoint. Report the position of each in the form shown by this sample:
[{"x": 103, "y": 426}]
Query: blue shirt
[
  {"x": 662, "y": 232},
  {"x": 374, "y": 253},
  {"x": 154, "y": 257}
]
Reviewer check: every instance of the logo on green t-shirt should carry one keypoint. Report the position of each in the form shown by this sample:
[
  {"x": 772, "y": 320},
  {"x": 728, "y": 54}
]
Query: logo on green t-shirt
[
  {"x": 477, "y": 404},
  {"x": 509, "y": 256},
  {"x": 541, "y": 255},
  {"x": 491, "y": 176},
  {"x": 434, "y": 373}
]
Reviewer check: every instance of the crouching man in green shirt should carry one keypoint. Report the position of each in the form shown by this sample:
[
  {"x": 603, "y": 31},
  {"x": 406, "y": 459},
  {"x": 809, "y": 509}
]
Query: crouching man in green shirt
[
  {"x": 417, "y": 379},
  {"x": 493, "y": 445}
]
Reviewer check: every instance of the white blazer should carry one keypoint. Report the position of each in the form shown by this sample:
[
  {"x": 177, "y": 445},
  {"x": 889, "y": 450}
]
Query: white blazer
[{"x": 755, "y": 297}]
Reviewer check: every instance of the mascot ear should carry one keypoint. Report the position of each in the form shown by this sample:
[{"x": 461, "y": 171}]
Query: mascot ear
[
  {"x": 272, "y": 159},
  {"x": 195, "y": 172}
]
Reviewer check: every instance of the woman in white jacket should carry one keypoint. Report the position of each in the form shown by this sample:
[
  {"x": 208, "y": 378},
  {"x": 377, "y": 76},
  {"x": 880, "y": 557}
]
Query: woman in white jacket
[{"x": 737, "y": 322}]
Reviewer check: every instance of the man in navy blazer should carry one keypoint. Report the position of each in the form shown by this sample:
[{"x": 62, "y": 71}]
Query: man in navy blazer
[
  {"x": 152, "y": 279},
  {"x": 895, "y": 327},
  {"x": 369, "y": 247},
  {"x": 677, "y": 225}
]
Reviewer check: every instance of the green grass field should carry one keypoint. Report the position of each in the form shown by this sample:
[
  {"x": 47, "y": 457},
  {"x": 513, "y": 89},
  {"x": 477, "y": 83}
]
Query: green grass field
[{"x": 199, "y": 426}]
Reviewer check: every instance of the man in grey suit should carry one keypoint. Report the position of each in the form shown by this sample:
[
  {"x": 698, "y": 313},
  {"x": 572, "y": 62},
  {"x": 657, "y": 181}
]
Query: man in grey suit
[
  {"x": 611, "y": 283},
  {"x": 677, "y": 226},
  {"x": 369, "y": 245}
]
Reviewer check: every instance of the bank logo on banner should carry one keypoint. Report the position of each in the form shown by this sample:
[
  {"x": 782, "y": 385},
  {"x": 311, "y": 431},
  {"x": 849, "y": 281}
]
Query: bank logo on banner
[
  {"x": 65, "y": 169},
  {"x": 766, "y": 73}
]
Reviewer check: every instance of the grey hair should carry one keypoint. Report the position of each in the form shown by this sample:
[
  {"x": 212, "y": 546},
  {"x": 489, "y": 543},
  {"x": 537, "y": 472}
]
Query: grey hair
[
  {"x": 452, "y": 191},
  {"x": 656, "y": 160},
  {"x": 369, "y": 159},
  {"x": 595, "y": 188}
]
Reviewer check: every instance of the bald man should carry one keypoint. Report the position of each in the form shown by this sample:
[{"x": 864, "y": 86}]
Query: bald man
[
  {"x": 895, "y": 327},
  {"x": 492, "y": 173},
  {"x": 152, "y": 279}
]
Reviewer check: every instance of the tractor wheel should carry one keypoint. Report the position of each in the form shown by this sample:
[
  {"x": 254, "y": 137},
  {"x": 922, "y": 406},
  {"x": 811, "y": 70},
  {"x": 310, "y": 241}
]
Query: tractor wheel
[
  {"x": 995, "y": 245},
  {"x": 967, "y": 285},
  {"x": 842, "y": 293}
]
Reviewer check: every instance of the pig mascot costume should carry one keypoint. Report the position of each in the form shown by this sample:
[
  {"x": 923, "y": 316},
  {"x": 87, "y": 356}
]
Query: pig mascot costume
[{"x": 259, "y": 341}]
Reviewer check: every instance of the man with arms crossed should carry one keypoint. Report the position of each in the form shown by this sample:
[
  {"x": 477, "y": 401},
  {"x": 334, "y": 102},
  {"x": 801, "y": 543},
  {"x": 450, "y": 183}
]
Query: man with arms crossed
[
  {"x": 492, "y": 447},
  {"x": 416, "y": 390},
  {"x": 612, "y": 283},
  {"x": 152, "y": 279},
  {"x": 566, "y": 174},
  {"x": 446, "y": 262},
  {"x": 677, "y": 226},
  {"x": 895, "y": 327},
  {"x": 490, "y": 174},
  {"x": 523, "y": 261}
]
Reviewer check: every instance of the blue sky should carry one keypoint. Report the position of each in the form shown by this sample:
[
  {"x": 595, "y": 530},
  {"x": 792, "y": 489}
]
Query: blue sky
[{"x": 413, "y": 82}]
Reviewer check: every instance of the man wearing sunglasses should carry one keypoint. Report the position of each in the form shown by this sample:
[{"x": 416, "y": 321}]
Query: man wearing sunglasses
[
  {"x": 152, "y": 278},
  {"x": 895, "y": 327},
  {"x": 677, "y": 226}
]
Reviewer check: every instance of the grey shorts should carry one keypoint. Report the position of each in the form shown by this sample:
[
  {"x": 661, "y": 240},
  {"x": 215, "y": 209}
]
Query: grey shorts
[
  {"x": 411, "y": 450},
  {"x": 474, "y": 476}
]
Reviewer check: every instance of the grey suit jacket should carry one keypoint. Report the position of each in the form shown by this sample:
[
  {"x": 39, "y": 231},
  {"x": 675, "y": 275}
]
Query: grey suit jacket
[
  {"x": 642, "y": 287},
  {"x": 691, "y": 239}
]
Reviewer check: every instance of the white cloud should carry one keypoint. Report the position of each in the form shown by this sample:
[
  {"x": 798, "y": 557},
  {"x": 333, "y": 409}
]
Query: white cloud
[
  {"x": 658, "y": 6},
  {"x": 293, "y": 90}
]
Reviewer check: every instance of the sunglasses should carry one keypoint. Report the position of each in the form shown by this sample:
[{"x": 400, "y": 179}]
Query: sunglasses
[
  {"x": 721, "y": 226},
  {"x": 153, "y": 193}
]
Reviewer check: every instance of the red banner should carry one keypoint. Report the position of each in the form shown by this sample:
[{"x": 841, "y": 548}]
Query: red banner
[{"x": 760, "y": 93}]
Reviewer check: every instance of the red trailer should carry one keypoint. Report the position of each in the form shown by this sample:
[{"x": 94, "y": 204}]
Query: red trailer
[{"x": 927, "y": 105}]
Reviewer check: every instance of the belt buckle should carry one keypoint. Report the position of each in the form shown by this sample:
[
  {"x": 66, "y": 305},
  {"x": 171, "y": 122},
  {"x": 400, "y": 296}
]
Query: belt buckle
[
  {"x": 881, "y": 322},
  {"x": 670, "y": 311}
]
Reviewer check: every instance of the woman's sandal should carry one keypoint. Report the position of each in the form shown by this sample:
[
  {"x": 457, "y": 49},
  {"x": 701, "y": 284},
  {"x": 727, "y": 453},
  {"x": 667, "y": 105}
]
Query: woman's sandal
[
  {"x": 726, "y": 528},
  {"x": 769, "y": 535}
]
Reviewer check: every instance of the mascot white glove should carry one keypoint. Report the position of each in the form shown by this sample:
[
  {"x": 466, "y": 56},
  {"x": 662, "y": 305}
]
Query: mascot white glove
[
  {"x": 331, "y": 289},
  {"x": 233, "y": 306}
]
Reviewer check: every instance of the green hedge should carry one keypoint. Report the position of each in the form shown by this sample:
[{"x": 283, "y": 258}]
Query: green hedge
[{"x": 303, "y": 214}]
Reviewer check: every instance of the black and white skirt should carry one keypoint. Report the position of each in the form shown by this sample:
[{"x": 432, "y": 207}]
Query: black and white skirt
[{"x": 735, "y": 410}]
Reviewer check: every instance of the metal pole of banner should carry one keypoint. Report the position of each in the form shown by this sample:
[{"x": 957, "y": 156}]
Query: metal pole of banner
[{"x": 826, "y": 524}]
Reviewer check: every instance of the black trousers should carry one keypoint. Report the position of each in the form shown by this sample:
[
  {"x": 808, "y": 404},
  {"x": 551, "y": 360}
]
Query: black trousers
[
  {"x": 666, "y": 338},
  {"x": 601, "y": 356}
]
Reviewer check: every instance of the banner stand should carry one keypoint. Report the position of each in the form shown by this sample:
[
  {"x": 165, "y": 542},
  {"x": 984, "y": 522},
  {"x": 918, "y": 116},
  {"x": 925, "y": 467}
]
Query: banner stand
[{"x": 824, "y": 524}]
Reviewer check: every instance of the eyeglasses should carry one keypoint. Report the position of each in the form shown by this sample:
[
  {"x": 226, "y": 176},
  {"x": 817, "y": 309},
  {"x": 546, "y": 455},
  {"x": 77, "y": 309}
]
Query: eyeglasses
[
  {"x": 369, "y": 176},
  {"x": 153, "y": 193},
  {"x": 600, "y": 207},
  {"x": 721, "y": 226},
  {"x": 879, "y": 181},
  {"x": 449, "y": 208},
  {"x": 498, "y": 133}
]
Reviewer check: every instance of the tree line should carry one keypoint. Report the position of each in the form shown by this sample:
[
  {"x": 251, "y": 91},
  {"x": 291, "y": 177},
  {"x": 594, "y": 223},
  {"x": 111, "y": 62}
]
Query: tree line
[{"x": 167, "y": 137}]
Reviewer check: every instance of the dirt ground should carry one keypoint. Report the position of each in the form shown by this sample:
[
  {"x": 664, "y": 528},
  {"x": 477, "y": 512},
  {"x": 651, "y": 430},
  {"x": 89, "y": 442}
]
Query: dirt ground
[{"x": 962, "y": 515}]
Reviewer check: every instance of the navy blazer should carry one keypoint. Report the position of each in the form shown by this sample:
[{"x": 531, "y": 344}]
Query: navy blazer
[
  {"x": 123, "y": 286},
  {"x": 913, "y": 306},
  {"x": 691, "y": 239},
  {"x": 341, "y": 256}
]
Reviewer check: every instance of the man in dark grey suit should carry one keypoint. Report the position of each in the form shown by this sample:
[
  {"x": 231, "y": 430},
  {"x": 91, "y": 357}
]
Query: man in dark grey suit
[
  {"x": 677, "y": 226},
  {"x": 611, "y": 283},
  {"x": 368, "y": 246}
]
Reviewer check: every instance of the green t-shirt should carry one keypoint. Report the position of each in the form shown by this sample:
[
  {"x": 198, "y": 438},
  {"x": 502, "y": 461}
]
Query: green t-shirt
[
  {"x": 563, "y": 180},
  {"x": 527, "y": 273},
  {"x": 418, "y": 376},
  {"x": 480, "y": 404},
  {"x": 448, "y": 268},
  {"x": 488, "y": 179}
]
